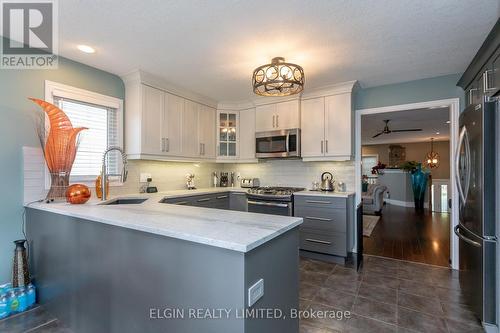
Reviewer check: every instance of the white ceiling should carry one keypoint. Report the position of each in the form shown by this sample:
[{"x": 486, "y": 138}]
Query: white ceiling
[
  {"x": 211, "y": 47},
  {"x": 431, "y": 121}
]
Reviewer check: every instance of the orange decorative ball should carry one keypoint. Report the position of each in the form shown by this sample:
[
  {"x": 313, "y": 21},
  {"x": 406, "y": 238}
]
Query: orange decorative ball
[{"x": 77, "y": 194}]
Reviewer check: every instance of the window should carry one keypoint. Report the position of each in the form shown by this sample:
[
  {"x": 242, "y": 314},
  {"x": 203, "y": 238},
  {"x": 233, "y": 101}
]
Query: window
[
  {"x": 102, "y": 115},
  {"x": 368, "y": 162}
]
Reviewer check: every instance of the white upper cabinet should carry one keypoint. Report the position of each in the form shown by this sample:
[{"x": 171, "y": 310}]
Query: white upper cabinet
[
  {"x": 206, "y": 130},
  {"x": 313, "y": 127},
  {"x": 228, "y": 129},
  {"x": 327, "y": 130},
  {"x": 165, "y": 123},
  {"x": 160, "y": 124},
  {"x": 247, "y": 136},
  {"x": 339, "y": 126},
  {"x": 190, "y": 139},
  {"x": 288, "y": 115},
  {"x": 152, "y": 109},
  {"x": 235, "y": 128},
  {"x": 172, "y": 125},
  {"x": 277, "y": 116},
  {"x": 265, "y": 118}
]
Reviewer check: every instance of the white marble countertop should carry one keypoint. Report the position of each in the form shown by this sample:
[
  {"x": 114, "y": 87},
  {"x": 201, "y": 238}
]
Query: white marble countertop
[
  {"x": 325, "y": 193},
  {"x": 233, "y": 230}
]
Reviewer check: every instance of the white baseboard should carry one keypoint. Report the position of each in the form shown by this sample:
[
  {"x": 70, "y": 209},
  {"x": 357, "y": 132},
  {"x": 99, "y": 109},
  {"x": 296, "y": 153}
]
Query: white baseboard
[{"x": 403, "y": 203}]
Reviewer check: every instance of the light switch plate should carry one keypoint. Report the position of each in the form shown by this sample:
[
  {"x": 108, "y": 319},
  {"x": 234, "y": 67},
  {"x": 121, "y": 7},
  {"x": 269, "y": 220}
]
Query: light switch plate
[
  {"x": 143, "y": 178},
  {"x": 255, "y": 292}
]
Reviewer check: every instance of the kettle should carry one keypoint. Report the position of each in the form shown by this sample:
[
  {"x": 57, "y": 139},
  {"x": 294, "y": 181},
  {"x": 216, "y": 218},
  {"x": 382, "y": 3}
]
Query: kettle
[{"x": 326, "y": 181}]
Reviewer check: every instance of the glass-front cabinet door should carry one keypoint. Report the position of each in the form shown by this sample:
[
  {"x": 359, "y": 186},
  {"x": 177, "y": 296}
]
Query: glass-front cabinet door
[{"x": 227, "y": 140}]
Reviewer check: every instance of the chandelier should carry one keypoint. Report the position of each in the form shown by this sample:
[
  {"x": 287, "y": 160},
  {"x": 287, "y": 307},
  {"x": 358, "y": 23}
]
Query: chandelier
[
  {"x": 432, "y": 158},
  {"x": 278, "y": 78}
]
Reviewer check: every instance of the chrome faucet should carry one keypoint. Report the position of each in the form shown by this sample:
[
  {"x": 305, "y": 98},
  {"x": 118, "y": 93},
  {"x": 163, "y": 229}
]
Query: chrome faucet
[{"x": 104, "y": 175}]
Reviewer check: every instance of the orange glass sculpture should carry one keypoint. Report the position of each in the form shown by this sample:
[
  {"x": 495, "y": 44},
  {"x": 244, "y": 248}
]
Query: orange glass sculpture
[
  {"x": 59, "y": 148},
  {"x": 78, "y": 194},
  {"x": 98, "y": 189}
]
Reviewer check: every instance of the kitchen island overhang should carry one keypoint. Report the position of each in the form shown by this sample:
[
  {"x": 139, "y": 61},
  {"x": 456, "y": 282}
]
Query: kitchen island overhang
[{"x": 98, "y": 276}]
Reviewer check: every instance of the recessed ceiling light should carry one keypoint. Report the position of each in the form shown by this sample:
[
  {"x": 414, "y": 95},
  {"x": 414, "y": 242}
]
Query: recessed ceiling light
[
  {"x": 437, "y": 133},
  {"x": 86, "y": 48},
  {"x": 448, "y": 121}
]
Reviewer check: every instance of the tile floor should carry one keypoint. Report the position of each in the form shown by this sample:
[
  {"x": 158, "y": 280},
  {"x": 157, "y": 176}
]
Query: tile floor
[
  {"x": 35, "y": 320},
  {"x": 385, "y": 296}
]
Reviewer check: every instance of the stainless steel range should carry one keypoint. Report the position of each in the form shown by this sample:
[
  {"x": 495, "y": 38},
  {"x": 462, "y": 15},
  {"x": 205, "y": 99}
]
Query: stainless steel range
[{"x": 272, "y": 200}]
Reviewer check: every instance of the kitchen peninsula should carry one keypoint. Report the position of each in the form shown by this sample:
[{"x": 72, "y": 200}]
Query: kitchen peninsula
[{"x": 116, "y": 267}]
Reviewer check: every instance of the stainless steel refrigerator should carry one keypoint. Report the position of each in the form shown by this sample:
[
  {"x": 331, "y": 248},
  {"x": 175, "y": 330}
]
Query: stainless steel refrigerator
[{"x": 475, "y": 168}]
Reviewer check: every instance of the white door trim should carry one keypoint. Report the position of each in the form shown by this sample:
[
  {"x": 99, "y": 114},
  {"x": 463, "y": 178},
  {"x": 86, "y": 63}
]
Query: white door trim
[{"x": 454, "y": 106}]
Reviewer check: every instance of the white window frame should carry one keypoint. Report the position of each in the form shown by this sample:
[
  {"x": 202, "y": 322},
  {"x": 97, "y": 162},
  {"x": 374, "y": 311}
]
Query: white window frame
[{"x": 65, "y": 91}]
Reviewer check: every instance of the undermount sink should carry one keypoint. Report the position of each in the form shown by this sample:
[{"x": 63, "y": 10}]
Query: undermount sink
[{"x": 125, "y": 201}]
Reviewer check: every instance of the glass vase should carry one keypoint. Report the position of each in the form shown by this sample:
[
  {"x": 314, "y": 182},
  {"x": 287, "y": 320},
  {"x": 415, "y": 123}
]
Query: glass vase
[
  {"x": 59, "y": 182},
  {"x": 419, "y": 184},
  {"x": 20, "y": 272}
]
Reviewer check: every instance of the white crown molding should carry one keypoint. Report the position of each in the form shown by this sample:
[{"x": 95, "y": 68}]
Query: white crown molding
[
  {"x": 235, "y": 105},
  {"x": 333, "y": 89},
  {"x": 140, "y": 76},
  {"x": 264, "y": 100}
]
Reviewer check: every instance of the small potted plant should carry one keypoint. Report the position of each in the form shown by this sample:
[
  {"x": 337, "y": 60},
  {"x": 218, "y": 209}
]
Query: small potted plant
[
  {"x": 364, "y": 183},
  {"x": 378, "y": 169}
]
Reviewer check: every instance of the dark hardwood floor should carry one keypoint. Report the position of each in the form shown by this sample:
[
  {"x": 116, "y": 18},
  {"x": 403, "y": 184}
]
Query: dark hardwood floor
[{"x": 403, "y": 234}]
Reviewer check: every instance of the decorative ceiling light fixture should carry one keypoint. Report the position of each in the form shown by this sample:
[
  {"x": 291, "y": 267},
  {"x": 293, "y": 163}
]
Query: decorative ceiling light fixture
[
  {"x": 432, "y": 158},
  {"x": 279, "y": 78}
]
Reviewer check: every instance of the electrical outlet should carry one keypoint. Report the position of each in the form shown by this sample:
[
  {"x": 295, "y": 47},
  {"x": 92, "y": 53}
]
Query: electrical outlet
[
  {"x": 144, "y": 177},
  {"x": 255, "y": 292}
]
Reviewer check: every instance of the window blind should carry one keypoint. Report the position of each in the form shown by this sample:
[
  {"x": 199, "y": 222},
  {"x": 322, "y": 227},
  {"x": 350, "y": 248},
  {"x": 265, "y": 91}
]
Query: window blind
[{"x": 102, "y": 124}]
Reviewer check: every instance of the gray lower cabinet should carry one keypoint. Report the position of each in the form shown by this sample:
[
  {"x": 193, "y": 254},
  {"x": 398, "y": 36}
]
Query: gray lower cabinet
[
  {"x": 222, "y": 200},
  {"x": 328, "y": 224},
  {"x": 187, "y": 201},
  {"x": 238, "y": 201}
]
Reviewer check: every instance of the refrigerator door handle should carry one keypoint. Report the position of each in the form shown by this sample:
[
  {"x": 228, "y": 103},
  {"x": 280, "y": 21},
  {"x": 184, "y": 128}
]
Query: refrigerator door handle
[
  {"x": 465, "y": 239},
  {"x": 468, "y": 165},
  {"x": 457, "y": 163}
]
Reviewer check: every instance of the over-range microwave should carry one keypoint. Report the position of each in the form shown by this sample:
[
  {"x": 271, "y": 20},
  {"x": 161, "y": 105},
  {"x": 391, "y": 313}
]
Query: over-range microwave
[{"x": 278, "y": 144}]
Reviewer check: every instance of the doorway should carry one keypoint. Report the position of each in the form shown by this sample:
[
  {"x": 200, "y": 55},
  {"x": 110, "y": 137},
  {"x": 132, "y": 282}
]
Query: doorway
[{"x": 396, "y": 210}]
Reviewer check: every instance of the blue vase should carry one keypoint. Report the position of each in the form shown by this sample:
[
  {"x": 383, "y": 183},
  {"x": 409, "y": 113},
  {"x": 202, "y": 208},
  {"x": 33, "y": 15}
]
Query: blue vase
[{"x": 419, "y": 184}]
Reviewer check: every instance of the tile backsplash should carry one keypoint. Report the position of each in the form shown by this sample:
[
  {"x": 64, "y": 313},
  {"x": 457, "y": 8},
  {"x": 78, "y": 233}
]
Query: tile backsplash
[
  {"x": 295, "y": 172},
  {"x": 166, "y": 175},
  {"x": 171, "y": 175}
]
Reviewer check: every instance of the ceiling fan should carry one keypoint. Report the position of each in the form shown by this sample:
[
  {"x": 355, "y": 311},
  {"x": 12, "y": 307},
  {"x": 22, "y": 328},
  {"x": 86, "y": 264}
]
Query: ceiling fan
[{"x": 386, "y": 129}]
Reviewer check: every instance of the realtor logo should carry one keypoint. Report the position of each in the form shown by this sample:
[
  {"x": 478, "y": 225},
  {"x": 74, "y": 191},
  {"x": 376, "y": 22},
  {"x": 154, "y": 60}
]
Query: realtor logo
[{"x": 29, "y": 34}]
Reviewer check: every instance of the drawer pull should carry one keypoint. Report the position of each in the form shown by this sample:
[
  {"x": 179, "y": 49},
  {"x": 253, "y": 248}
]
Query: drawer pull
[
  {"x": 203, "y": 200},
  {"x": 181, "y": 203},
  {"x": 318, "y": 202},
  {"x": 318, "y": 241},
  {"x": 222, "y": 197},
  {"x": 318, "y": 218}
]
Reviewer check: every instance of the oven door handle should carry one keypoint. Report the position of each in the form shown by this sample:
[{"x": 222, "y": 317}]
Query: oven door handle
[{"x": 272, "y": 204}]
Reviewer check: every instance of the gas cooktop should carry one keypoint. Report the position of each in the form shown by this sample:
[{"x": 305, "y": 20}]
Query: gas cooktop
[{"x": 274, "y": 192}]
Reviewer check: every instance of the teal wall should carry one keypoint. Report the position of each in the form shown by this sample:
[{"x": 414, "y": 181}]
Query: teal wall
[
  {"x": 441, "y": 87},
  {"x": 17, "y": 130}
]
